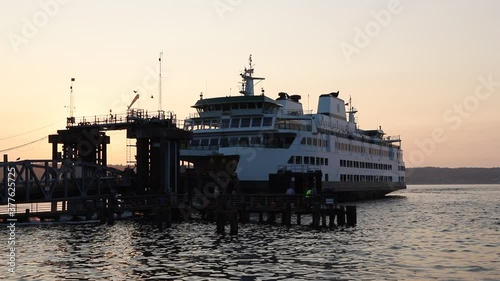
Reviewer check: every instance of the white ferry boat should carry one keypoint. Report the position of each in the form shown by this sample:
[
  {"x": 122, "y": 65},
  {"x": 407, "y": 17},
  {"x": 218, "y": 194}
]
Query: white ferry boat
[{"x": 269, "y": 142}]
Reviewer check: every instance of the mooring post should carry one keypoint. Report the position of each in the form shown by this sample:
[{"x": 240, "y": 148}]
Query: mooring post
[
  {"x": 271, "y": 217},
  {"x": 111, "y": 217},
  {"x": 102, "y": 216},
  {"x": 158, "y": 217},
  {"x": 168, "y": 217},
  {"x": 243, "y": 214},
  {"x": 351, "y": 216},
  {"x": 286, "y": 218},
  {"x": 340, "y": 216},
  {"x": 316, "y": 215},
  {"x": 220, "y": 220},
  {"x": 88, "y": 209},
  {"x": 332, "y": 218},
  {"x": 233, "y": 222}
]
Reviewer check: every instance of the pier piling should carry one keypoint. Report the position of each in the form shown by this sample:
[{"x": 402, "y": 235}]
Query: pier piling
[
  {"x": 340, "y": 216},
  {"x": 351, "y": 216}
]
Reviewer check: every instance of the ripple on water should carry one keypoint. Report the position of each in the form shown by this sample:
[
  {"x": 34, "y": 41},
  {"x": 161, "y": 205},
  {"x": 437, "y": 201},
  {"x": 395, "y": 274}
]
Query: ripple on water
[{"x": 423, "y": 233}]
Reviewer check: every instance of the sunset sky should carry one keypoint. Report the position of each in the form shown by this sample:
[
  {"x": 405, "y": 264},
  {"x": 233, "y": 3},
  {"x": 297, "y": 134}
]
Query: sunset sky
[{"x": 426, "y": 70}]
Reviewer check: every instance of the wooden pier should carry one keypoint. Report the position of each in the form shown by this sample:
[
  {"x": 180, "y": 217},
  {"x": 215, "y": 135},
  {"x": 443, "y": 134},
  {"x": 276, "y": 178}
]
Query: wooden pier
[
  {"x": 163, "y": 209},
  {"x": 77, "y": 185}
]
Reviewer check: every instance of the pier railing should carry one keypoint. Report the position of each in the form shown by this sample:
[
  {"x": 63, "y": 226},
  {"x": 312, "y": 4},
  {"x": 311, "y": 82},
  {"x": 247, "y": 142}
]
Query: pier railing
[{"x": 119, "y": 203}]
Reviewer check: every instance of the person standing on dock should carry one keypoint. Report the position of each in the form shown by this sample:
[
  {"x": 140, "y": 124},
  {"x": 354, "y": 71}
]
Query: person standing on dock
[{"x": 291, "y": 187}]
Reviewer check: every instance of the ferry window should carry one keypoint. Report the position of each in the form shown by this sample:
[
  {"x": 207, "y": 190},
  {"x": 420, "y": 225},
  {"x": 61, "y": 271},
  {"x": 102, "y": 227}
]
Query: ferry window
[
  {"x": 243, "y": 105},
  {"x": 298, "y": 159},
  {"x": 225, "y": 123},
  {"x": 224, "y": 142},
  {"x": 317, "y": 161},
  {"x": 259, "y": 105},
  {"x": 233, "y": 141},
  {"x": 309, "y": 141},
  {"x": 214, "y": 123},
  {"x": 251, "y": 105},
  {"x": 206, "y": 123},
  {"x": 195, "y": 142},
  {"x": 291, "y": 160},
  {"x": 268, "y": 121},
  {"x": 322, "y": 161},
  {"x": 244, "y": 141},
  {"x": 226, "y": 107},
  {"x": 214, "y": 141},
  {"x": 306, "y": 159},
  {"x": 235, "y": 123},
  {"x": 255, "y": 140},
  {"x": 234, "y": 106},
  {"x": 218, "y": 107},
  {"x": 245, "y": 122},
  {"x": 326, "y": 177},
  {"x": 326, "y": 161},
  {"x": 315, "y": 142},
  {"x": 256, "y": 121},
  {"x": 303, "y": 141},
  {"x": 204, "y": 142}
]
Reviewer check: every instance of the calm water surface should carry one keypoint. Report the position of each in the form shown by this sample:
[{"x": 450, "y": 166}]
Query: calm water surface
[{"x": 422, "y": 233}]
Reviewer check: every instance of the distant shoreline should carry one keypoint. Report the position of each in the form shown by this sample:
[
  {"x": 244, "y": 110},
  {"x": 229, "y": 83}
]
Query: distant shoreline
[{"x": 435, "y": 175}]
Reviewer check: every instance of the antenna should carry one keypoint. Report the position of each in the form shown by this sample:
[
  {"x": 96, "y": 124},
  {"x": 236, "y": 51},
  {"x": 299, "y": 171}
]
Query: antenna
[
  {"x": 159, "y": 83},
  {"x": 71, "y": 99},
  {"x": 308, "y": 103}
]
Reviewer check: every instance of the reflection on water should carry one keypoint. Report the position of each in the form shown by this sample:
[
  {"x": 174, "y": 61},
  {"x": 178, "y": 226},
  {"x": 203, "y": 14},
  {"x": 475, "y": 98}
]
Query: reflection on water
[{"x": 425, "y": 232}]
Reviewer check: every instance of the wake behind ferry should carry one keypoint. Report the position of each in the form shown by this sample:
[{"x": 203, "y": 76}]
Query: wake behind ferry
[{"x": 263, "y": 145}]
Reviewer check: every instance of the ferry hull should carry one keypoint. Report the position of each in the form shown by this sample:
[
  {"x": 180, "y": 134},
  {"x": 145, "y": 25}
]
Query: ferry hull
[{"x": 345, "y": 191}]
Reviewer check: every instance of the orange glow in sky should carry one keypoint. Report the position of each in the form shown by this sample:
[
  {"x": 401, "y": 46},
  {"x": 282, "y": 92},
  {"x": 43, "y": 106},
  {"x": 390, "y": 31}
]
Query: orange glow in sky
[{"x": 426, "y": 70}]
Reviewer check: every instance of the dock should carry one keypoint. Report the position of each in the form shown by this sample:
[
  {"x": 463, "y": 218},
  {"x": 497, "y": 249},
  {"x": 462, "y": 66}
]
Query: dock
[{"x": 77, "y": 183}]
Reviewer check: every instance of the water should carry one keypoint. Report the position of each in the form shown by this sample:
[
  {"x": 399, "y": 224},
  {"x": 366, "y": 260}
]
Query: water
[{"x": 422, "y": 233}]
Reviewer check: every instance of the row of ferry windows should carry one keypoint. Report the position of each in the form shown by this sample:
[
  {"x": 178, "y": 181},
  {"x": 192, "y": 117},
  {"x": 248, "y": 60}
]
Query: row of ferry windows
[
  {"x": 313, "y": 142},
  {"x": 275, "y": 141},
  {"x": 401, "y": 168},
  {"x": 243, "y": 141},
  {"x": 233, "y": 122},
  {"x": 365, "y": 178},
  {"x": 361, "y": 149},
  {"x": 246, "y": 122},
  {"x": 309, "y": 160},
  {"x": 235, "y": 106},
  {"x": 364, "y": 165}
]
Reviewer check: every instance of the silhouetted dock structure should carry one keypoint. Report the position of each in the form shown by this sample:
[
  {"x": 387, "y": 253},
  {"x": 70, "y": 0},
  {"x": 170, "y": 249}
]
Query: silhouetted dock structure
[{"x": 77, "y": 182}]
